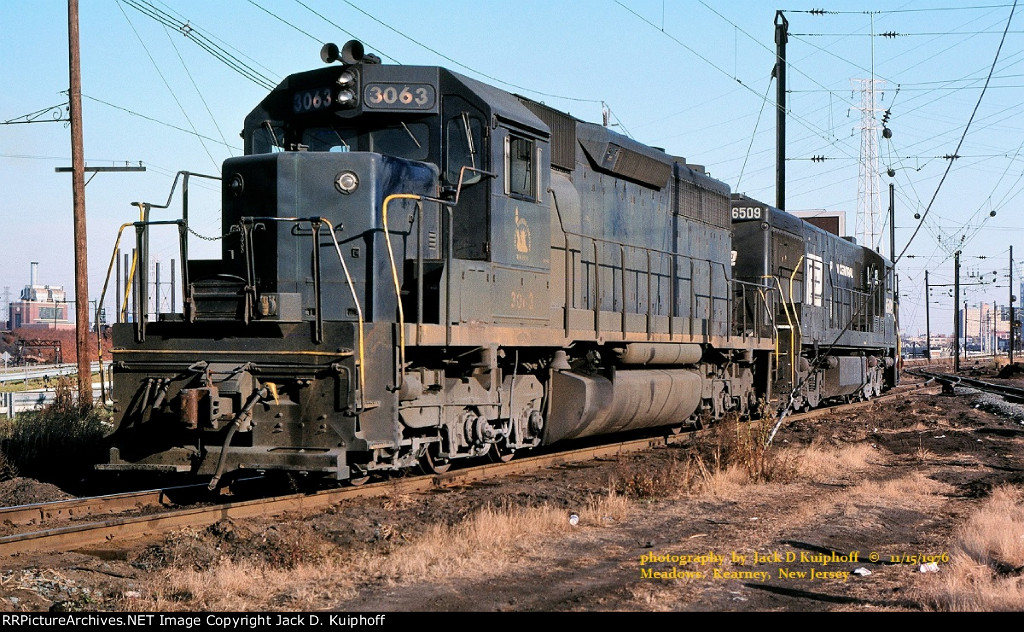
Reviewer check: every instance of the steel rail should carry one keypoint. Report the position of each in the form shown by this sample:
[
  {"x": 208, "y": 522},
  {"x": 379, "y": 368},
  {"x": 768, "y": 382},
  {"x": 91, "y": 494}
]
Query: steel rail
[{"x": 955, "y": 380}]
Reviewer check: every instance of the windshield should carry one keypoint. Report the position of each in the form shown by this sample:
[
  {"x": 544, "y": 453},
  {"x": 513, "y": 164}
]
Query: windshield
[
  {"x": 404, "y": 140},
  {"x": 330, "y": 139}
]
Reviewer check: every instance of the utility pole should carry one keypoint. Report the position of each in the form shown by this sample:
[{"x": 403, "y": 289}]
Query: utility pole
[
  {"x": 966, "y": 328},
  {"x": 781, "y": 37},
  {"x": 892, "y": 222},
  {"x": 78, "y": 196},
  {"x": 1012, "y": 298},
  {"x": 927, "y": 316},
  {"x": 956, "y": 315}
]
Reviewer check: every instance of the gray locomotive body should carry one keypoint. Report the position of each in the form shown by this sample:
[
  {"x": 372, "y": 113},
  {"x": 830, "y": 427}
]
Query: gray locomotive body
[
  {"x": 417, "y": 268},
  {"x": 836, "y": 317}
]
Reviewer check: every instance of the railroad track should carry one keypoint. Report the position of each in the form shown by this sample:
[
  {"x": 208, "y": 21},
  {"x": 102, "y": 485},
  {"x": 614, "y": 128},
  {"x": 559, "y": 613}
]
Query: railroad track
[
  {"x": 950, "y": 380},
  {"x": 165, "y": 518}
]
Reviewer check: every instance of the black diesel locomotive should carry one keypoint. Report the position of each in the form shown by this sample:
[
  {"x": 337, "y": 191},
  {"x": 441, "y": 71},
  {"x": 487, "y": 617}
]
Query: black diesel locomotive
[
  {"x": 418, "y": 268},
  {"x": 836, "y": 330}
]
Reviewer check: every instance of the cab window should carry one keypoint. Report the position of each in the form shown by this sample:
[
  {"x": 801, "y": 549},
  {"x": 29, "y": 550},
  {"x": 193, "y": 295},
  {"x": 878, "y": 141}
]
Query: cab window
[
  {"x": 405, "y": 140},
  {"x": 519, "y": 167},
  {"x": 329, "y": 139},
  {"x": 464, "y": 148}
]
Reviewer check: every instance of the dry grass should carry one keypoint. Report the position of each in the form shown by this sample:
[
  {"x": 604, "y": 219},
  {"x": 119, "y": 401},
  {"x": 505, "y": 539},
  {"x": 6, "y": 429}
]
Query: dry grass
[
  {"x": 641, "y": 481},
  {"x": 235, "y": 586},
  {"x": 915, "y": 488},
  {"x": 733, "y": 455},
  {"x": 986, "y": 571},
  {"x": 493, "y": 538},
  {"x": 490, "y": 540},
  {"x": 651, "y": 597},
  {"x": 820, "y": 462},
  {"x": 729, "y": 457}
]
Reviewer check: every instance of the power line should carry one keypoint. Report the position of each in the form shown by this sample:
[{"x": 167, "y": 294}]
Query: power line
[
  {"x": 964, "y": 136},
  {"x": 197, "y": 37},
  {"x": 758, "y": 42},
  {"x": 894, "y": 34},
  {"x": 889, "y": 11},
  {"x": 198, "y": 91},
  {"x": 195, "y": 28},
  {"x": 799, "y": 119},
  {"x": 764, "y": 101},
  {"x": 462, "y": 65},
  {"x": 168, "y": 86},
  {"x": 164, "y": 123},
  {"x": 343, "y": 30}
]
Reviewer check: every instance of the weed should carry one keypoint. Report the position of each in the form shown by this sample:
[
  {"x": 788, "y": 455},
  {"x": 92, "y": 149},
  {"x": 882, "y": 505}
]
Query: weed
[
  {"x": 740, "y": 444},
  {"x": 642, "y": 481},
  {"x": 987, "y": 567},
  {"x": 57, "y": 443}
]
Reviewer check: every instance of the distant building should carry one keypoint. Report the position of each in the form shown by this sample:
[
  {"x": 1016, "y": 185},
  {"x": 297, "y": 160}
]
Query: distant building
[
  {"x": 916, "y": 346},
  {"x": 985, "y": 327},
  {"x": 40, "y": 306}
]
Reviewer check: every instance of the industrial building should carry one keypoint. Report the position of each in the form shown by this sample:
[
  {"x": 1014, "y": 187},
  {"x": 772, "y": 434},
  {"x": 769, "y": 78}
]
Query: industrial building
[{"x": 39, "y": 306}]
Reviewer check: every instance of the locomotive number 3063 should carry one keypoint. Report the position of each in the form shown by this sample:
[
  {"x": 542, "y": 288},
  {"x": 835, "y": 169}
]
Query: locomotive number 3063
[{"x": 385, "y": 95}]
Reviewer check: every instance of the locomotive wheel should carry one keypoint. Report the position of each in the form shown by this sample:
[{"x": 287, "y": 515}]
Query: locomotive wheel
[
  {"x": 358, "y": 477},
  {"x": 500, "y": 454},
  {"x": 430, "y": 463}
]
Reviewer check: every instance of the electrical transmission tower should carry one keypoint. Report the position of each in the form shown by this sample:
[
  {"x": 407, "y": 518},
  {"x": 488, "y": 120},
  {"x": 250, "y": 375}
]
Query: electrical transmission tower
[{"x": 869, "y": 195}]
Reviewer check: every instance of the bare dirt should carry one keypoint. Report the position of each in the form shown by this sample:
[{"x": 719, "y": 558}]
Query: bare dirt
[
  {"x": 26, "y": 491},
  {"x": 684, "y": 540}
]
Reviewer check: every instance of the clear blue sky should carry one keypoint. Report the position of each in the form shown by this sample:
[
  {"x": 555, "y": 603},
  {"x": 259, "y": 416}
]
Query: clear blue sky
[{"x": 688, "y": 76}]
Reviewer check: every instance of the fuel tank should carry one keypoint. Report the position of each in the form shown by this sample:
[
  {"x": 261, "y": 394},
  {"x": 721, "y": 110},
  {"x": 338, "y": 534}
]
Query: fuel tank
[{"x": 585, "y": 405}]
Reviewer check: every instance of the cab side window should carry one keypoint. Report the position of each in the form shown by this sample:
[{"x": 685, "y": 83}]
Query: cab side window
[
  {"x": 464, "y": 142},
  {"x": 519, "y": 167}
]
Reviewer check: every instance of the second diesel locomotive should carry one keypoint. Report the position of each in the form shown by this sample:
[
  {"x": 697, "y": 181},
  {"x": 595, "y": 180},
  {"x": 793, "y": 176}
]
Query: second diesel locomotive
[
  {"x": 419, "y": 268},
  {"x": 836, "y": 320}
]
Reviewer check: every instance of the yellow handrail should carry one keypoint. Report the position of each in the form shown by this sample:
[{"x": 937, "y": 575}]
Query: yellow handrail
[
  {"x": 99, "y": 307},
  {"x": 359, "y": 314},
  {"x": 394, "y": 276},
  {"x": 131, "y": 273},
  {"x": 792, "y": 340}
]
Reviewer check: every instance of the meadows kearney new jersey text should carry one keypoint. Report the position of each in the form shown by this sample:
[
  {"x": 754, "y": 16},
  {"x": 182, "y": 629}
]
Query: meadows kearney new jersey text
[{"x": 761, "y": 576}]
